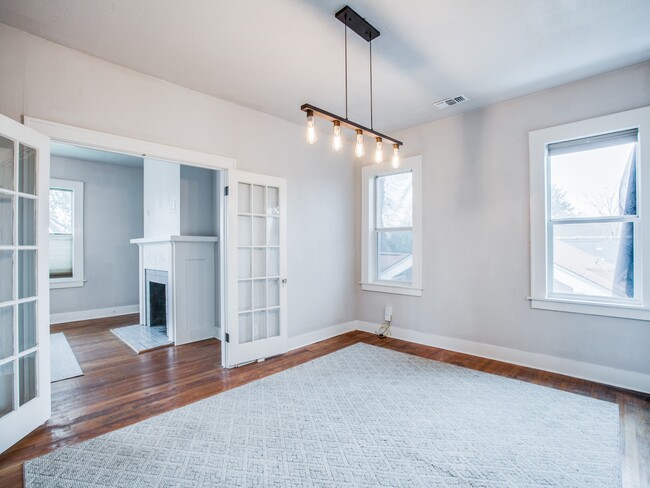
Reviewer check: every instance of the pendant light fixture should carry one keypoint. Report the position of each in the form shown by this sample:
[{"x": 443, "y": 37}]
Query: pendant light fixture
[
  {"x": 379, "y": 152},
  {"x": 337, "y": 144},
  {"x": 361, "y": 27},
  {"x": 311, "y": 128},
  {"x": 358, "y": 149},
  {"x": 395, "y": 161}
]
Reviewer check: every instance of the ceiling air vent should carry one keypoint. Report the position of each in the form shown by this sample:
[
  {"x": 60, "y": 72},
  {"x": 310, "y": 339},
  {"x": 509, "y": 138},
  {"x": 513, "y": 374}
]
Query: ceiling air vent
[{"x": 448, "y": 102}]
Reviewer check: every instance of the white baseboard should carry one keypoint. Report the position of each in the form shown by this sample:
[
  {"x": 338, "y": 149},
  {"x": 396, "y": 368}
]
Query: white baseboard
[
  {"x": 307, "y": 338},
  {"x": 630, "y": 380},
  {"x": 98, "y": 313}
]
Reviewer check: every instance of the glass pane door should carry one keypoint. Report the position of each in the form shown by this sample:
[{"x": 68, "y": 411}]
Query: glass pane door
[
  {"x": 256, "y": 273},
  {"x": 258, "y": 216},
  {"x": 18, "y": 275},
  {"x": 24, "y": 292}
]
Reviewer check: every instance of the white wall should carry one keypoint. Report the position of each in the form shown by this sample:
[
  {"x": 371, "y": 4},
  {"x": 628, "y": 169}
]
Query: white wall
[
  {"x": 476, "y": 223},
  {"x": 178, "y": 200},
  {"x": 162, "y": 198},
  {"x": 112, "y": 217},
  {"x": 45, "y": 80},
  {"x": 476, "y": 270}
]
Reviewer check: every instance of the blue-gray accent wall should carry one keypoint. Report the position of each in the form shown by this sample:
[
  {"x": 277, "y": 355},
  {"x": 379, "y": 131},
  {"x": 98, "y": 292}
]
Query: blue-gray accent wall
[{"x": 113, "y": 214}]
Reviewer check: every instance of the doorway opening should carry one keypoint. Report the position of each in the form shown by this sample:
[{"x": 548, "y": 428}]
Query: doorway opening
[{"x": 149, "y": 230}]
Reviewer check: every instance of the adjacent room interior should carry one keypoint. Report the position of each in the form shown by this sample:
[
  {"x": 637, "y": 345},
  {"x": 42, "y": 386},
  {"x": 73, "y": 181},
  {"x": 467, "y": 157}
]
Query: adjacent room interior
[
  {"x": 357, "y": 245},
  {"x": 122, "y": 229}
]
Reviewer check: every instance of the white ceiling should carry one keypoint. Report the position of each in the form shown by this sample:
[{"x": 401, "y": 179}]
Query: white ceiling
[
  {"x": 275, "y": 55},
  {"x": 95, "y": 155}
]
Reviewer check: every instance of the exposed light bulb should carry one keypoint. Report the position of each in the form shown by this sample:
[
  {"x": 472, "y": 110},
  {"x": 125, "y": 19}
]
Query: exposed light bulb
[
  {"x": 379, "y": 153},
  {"x": 395, "y": 161},
  {"x": 311, "y": 128},
  {"x": 337, "y": 144},
  {"x": 358, "y": 149}
]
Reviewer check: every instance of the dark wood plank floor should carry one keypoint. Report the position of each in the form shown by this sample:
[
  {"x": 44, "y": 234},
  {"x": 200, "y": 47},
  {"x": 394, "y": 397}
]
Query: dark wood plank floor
[{"x": 120, "y": 388}]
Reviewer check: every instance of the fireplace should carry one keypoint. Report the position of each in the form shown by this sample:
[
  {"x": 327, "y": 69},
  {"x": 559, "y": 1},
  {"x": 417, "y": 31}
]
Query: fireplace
[
  {"x": 178, "y": 286},
  {"x": 156, "y": 299}
]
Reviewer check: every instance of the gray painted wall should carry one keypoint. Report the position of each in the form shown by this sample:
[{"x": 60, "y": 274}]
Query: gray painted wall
[
  {"x": 49, "y": 81},
  {"x": 178, "y": 200},
  {"x": 476, "y": 263},
  {"x": 198, "y": 202},
  {"x": 112, "y": 216},
  {"x": 476, "y": 269}
]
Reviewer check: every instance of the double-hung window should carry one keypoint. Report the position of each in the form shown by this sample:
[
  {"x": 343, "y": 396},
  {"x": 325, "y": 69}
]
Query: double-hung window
[
  {"x": 66, "y": 233},
  {"x": 589, "y": 196},
  {"x": 392, "y": 228}
]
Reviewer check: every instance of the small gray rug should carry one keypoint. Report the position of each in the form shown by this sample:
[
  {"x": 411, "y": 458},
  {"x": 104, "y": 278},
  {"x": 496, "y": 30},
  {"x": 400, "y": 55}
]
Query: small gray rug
[
  {"x": 63, "y": 362},
  {"x": 362, "y": 416}
]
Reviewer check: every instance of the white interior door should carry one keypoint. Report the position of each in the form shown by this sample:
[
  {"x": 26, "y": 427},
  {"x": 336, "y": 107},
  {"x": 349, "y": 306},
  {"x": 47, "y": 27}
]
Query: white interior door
[
  {"x": 24, "y": 281},
  {"x": 256, "y": 267}
]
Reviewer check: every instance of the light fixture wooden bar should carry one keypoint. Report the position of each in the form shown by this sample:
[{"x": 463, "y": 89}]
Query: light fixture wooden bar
[{"x": 324, "y": 114}]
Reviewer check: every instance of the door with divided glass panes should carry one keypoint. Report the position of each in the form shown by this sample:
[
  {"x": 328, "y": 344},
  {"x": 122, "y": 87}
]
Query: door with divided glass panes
[
  {"x": 24, "y": 281},
  {"x": 256, "y": 255}
]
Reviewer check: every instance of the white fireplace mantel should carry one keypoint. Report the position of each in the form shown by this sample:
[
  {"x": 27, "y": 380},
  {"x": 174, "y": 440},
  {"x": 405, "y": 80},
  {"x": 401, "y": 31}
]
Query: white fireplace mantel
[{"x": 153, "y": 240}]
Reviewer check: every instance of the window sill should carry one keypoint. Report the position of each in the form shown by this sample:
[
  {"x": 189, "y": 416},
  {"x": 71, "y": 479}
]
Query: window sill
[
  {"x": 66, "y": 283},
  {"x": 394, "y": 289},
  {"x": 593, "y": 308}
]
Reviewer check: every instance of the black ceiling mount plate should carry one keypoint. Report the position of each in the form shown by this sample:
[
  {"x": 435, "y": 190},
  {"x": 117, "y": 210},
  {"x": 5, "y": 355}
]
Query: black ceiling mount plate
[{"x": 357, "y": 23}]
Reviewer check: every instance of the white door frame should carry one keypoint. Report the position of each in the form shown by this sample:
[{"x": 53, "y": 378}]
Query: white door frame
[{"x": 125, "y": 145}]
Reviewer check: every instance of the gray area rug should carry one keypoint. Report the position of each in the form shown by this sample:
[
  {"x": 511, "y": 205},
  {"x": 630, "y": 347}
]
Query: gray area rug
[
  {"x": 361, "y": 416},
  {"x": 63, "y": 362}
]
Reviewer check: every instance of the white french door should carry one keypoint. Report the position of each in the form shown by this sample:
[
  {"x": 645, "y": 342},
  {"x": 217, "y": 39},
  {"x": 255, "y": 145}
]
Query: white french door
[
  {"x": 24, "y": 281},
  {"x": 256, "y": 302}
]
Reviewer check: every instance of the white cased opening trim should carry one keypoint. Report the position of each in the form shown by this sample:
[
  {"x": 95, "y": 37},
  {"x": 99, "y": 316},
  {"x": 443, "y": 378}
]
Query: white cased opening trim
[{"x": 114, "y": 143}]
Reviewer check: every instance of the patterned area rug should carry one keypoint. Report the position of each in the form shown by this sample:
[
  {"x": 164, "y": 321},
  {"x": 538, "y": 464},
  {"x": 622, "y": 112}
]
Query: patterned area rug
[
  {"x": 63, "y": 362},
  {"x": 362, "y": 416}
]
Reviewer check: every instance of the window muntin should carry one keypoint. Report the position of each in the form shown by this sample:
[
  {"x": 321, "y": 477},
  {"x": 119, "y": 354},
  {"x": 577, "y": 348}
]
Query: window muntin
[
  {"x": 394, "y": 227},
  {"x": 592, "y": 217}
]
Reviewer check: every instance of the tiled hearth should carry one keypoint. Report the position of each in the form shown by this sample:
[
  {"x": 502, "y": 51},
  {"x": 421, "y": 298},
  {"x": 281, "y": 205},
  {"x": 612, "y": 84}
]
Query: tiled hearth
[{"x": 141, "y": 338}]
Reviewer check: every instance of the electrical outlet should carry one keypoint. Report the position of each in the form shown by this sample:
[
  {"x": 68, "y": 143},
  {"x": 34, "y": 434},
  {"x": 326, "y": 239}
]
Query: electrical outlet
[{"x": 388, "y": 314}]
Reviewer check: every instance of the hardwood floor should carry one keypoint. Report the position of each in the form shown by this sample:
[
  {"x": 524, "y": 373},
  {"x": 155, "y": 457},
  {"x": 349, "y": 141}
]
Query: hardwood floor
[{"x": 120, "y": 388}]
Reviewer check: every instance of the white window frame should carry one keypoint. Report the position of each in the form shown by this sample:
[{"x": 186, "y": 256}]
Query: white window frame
[
  {"x": 78, "y": 277},
  {"x": 369, "y": 281},
  {"x": 539, "y": 140}
]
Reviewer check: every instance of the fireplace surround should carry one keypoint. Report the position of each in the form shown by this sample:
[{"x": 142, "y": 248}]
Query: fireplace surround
[{"x": 182, "y": 270}]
